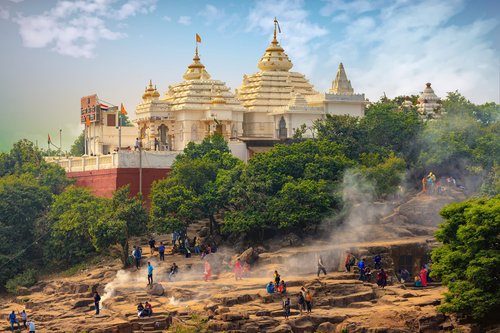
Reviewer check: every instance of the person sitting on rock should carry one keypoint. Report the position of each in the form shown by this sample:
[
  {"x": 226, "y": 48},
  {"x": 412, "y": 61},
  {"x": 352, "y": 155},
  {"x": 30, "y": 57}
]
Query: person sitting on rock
[
  {"x": 140, "y": 310},
  {"x": 382, "y": 278},
  {"x": 277, "y": 279},
  {"x": 418, "y": 282},
  {"x": 173, "y": 271},
  {"x": 270, "y": 287},
  {"x": 368, "y": 274},
  {"x": 148, "y": 309},
  {"x": 405, "y": 275},
  {"x": 282, "y": 287},
  {"x": 286, "y": 307}
]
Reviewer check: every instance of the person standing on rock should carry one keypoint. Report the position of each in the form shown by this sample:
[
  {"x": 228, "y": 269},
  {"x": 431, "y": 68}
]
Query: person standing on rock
[
  {"x": 24, "y": 318},
  {"x": 197, "y": 245},
  {"x": 152, "y": 244},
  {"x": 361, "y": 266},
  {"x": 237, "y": 270},
  {"x": 286, "y": 307},
  {"x": 207, "y": 274},
  {"x": 97, "y": 299},
  {"x": 423, "y": 276},
  {"x": 277, "y": 279},
  {"x": 301, "y": 301},
  {"x": 13, "y": 320},
  {"x": 309, "y": 301},
  {"x": 321, "y": 267},
  {"x": 382, "y": 278},
  {"x": 137, "y": 256},
  {"x": 161, "y": 251},
  {"x": 150, "y": 274},
  {"x": 377, "y": 260}
]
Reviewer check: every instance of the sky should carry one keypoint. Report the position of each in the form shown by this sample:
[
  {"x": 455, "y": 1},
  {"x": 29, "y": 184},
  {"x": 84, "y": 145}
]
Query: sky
[{"x": 55, "y": 52}]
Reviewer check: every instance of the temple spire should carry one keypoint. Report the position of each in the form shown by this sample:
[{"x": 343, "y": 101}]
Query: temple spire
[
  {"x": 275, "y": 58},
  {"x": 341, "y": 85},
  {"x": 196, "y": 71}
]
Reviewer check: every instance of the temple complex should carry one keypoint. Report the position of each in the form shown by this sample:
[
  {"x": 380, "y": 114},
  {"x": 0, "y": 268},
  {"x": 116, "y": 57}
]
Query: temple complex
[
  {"x": 189, "y": 111},
  {"x": 429, "y": 105}
]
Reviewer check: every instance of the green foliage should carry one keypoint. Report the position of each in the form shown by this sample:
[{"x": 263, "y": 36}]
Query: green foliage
[
  {"x": 344, "y": 130},
  {"x": 24, "y": 158},
  {"x": 385, "y": 175},
  {"x": 73, "y": 215},
  {"x": 26, "y": 279},
  {"x": 193, "y": 188},
  {"x": 78, "y": 147},
  {"x": 469, "y": 258},
  {"x": 22, "y": 202}
]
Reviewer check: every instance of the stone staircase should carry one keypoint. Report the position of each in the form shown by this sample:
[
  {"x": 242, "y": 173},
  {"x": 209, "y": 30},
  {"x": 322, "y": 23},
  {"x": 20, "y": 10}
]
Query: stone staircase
[{"x": 157, "y": 323}]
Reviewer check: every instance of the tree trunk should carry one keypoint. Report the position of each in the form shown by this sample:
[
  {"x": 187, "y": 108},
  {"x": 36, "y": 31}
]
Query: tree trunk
[
  {"x": 125, "y": 249},
  {"x": 212, "y": 223}
]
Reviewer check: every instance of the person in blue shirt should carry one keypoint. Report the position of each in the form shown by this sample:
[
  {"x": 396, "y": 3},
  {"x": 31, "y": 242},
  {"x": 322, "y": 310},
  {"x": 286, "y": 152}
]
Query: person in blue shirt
[
  {"x": 13, "y": 320},
  {"x": 361, "y": 266},
  {"x": 150, "y": 273},
  {"x": 270, "y": 287},
  {"x": 138, "y": 256},
  {"x": 161, "y": 250},
  {"x": 377, "y": 260}
]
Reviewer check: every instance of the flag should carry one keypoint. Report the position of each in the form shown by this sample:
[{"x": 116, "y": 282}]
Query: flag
[
  {"x": 48, "y": 139},
  {"x": 122, "y": 109},
  {"x": 87, "y": 121},
  {"x": 198, "y": 38},
  {"x": 104, "y": 107}
]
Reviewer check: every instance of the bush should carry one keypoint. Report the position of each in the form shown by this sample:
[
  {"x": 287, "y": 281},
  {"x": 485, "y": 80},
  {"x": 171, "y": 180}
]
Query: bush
[{"x": 26, "y": 279}]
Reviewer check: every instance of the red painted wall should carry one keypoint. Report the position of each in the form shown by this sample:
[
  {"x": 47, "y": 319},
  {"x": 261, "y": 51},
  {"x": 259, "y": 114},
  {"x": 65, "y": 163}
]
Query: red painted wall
[{"x": 103, "y": 182}]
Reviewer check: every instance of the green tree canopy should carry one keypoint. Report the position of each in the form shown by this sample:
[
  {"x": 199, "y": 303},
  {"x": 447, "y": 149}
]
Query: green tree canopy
[{"x": 468, "y": 261}]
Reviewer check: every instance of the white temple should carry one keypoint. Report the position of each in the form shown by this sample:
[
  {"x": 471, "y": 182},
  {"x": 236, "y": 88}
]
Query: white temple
[{"x": 429, "y": 105}]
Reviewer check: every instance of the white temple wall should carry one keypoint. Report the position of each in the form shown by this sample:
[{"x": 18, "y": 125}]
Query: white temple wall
[{"x": 351, "y": 109}]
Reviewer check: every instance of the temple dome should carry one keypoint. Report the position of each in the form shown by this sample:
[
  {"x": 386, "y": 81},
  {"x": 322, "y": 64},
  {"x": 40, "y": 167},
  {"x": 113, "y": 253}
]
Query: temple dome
[
  {"x": 275, "y": 58},
  {"x": 196, "y": 71}
]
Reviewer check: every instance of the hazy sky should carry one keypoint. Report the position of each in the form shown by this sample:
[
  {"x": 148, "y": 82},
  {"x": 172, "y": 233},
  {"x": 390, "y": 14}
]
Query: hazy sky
[{"x": 54, "y": 52}]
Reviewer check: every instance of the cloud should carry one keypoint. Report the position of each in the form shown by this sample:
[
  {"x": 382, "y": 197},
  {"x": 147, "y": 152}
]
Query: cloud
[
  {"x": 184, "y": 20},
  {"x": 400, "y": 46},
  {"x": 219, "y": 18},
  {"x": 299, "y": 35},
  {"x": 4, "y": 14},
  {"x": 75, "y": 28},
  {"x": 166, "y": 18}
]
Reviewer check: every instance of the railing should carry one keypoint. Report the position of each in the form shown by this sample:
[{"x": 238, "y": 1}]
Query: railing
[{"x": 125, "y": 159}]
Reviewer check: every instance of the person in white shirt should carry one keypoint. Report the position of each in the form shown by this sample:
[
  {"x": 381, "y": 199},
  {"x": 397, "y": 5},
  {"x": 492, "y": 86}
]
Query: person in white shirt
[{"x": 24, "y": 318}]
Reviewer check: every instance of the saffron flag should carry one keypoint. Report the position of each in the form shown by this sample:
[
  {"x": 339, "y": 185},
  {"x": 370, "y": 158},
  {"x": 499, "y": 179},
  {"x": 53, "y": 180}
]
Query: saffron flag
[
  {"x": 87, "y": 121},
  {"x": 48, "y": 139},
  {"x": 104, "y": 107},
  {"x": 122, "y": 109},
  {"x": 198, "y": 38}
]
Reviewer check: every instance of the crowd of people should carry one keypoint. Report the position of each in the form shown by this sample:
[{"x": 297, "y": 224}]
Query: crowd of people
[{"x": 432, "y": 185}]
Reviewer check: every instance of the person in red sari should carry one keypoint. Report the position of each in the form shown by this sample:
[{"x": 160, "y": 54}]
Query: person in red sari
[
  {"x": 237, "y": 270},
  {"x": 423, "y": 276},
  {"x": 208, "y": 271}
]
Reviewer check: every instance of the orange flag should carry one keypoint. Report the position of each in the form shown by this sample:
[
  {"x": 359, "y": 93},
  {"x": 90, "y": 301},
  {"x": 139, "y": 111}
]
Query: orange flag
[
  {"x": 122, "y": 109},
  {"x": 198, "y": 38},
  {"x": 87, "y": 121}
]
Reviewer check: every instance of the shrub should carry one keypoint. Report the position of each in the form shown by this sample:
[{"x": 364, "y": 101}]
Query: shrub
[{"x": 26, "y": 279}]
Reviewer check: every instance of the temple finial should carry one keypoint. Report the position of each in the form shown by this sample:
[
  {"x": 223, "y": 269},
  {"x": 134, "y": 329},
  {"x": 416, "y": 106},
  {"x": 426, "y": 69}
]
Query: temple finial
[
  {"x": 197, "y": 50},
  {"x": 275, "y": 24}
]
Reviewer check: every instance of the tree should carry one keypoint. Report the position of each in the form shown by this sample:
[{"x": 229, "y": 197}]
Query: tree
[
  {"x": 126, "y": 217},
  {"x": 78, "y": 147},
  {"x": 22, "y": 202},
  {"x": 72, "y": 216},
  {"x": 468, "y": 261},
  {"x": 385, "y": 174},
  {"x": 344, "y": 130}
]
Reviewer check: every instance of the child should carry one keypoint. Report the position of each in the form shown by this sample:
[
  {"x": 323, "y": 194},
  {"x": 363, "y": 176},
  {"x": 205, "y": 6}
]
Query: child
[{"x": 286, "y": 307}]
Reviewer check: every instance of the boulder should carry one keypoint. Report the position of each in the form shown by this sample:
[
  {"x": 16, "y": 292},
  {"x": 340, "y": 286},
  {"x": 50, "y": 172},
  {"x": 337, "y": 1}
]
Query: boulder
[
  {"x": 204, "y": 232},
  {"x": 249, "y": 256},
  {"x": 283, "y": 328},
  {"x": 156, "y": 289},
  {"x": 326, "y": 328},
  {"x": 22, "y": 291},
  {"x": 430, "y": 323}
]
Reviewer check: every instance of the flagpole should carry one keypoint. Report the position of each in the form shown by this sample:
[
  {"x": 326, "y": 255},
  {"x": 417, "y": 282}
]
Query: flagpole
[
  {"x": 60, "y": 141},
  {"x": 119, "y": 131}
]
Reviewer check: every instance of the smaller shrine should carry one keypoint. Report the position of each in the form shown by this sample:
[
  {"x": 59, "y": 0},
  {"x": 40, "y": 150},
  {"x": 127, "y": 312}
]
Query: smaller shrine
[{"x": 429, "y": 104}]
